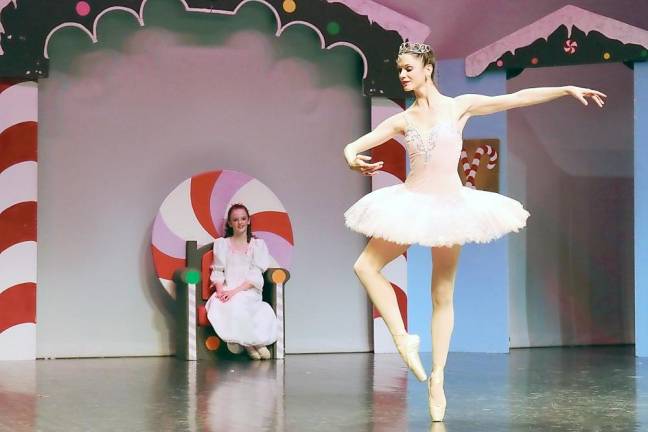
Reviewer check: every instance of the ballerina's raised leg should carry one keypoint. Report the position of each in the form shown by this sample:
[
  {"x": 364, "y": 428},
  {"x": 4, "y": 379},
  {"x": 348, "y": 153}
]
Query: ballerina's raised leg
[
  {"x": 444, "y": 272},
  {"x": 375, "y": 256}
]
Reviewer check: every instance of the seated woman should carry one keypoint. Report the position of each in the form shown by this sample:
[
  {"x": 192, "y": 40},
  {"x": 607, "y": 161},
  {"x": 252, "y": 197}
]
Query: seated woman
[{"x": 236, "y": 310}]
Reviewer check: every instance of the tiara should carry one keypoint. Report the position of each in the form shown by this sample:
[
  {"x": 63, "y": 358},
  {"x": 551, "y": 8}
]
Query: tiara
[{"x": 413, "y": 48}]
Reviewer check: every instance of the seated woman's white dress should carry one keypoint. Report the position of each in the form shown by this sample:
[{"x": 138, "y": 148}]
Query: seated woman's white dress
[{"x": 245, "y": 319}]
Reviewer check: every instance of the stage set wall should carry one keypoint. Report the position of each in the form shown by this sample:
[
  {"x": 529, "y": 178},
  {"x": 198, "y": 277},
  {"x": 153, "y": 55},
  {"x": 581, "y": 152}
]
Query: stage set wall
[
  {"x": 114, "y": 141},
  {"x": 124, "y": 121},
  {"x": 572, "y": 269}
]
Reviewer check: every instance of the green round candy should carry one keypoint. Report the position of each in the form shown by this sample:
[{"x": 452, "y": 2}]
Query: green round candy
[
  {"x": 333, "y": 28},
  {"x": 192, "y": 276}
]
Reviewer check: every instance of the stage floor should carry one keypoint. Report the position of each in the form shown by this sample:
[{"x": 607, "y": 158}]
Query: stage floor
[{"x": 542, "y": 389}]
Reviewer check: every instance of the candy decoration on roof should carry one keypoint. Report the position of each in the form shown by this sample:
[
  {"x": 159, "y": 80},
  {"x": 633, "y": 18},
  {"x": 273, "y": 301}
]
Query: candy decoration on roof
[
  {"x": 568, "y": 36},
  {"x": 570, "y": 46},
  {"x": 370, "y": 29}
]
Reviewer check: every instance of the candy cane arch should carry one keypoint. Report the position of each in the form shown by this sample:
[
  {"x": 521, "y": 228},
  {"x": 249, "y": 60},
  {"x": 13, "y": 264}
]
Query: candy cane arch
[{"x": 470, "y": 169}]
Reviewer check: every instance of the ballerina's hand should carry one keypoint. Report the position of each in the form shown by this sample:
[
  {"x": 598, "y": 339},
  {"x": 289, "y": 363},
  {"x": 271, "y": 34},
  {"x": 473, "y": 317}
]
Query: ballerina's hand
[
  {"x": 583, "y": 93},
  {"x": 360, "y": 164}
]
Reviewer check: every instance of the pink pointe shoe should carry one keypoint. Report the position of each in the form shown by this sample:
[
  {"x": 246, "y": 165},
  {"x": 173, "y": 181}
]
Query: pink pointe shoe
[
  {"x": 408, "y": 347},
  {"x": 437, "y": 406}
]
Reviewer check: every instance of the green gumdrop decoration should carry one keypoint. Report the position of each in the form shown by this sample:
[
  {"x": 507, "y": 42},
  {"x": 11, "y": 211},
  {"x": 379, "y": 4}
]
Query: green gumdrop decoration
[
  {"x": 192, "y": 276},
  {"x": 333, "y": 28}
]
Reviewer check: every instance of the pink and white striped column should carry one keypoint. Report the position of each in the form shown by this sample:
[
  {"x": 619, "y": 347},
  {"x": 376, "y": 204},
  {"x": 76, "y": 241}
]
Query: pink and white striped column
[
  {"x": 393, "y": 154},
  {"x": 18, "y": 191}
]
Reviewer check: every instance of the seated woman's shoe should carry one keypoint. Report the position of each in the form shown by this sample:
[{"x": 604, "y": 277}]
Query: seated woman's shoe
[
  {"x": 234, "y": 348},
  {"x": 264, "y": 353},
  {"x": 436, "y": 396},
  {"x": 408, "y": 346},
  {"x": 253, "y": 353}
]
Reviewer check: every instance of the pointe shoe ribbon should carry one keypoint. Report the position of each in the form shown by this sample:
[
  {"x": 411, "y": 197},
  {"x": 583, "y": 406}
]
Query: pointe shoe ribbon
[
  {"x": 437, "y": 410},
  {"x": 408, "y": 348}
]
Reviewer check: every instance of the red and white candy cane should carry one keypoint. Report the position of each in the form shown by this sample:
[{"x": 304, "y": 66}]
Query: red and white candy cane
[{"x": 470, "y": 169}]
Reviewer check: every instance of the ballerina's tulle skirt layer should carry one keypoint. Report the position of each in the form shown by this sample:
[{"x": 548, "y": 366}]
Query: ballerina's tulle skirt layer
[{"x": 400, "y": 215}]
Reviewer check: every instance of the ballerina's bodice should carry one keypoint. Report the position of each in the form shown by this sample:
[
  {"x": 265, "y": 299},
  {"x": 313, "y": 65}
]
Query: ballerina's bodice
[{"x": 434, "y": 157}]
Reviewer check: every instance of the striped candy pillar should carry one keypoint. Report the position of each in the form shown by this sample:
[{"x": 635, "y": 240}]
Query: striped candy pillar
[
  {"x": 194, "y": 340},
  {"x": 281, "y": 346},
  {"x": 278, "y": 277},
  {"x": 192, "y": 306},
  {"x": 392, "y": 153},
  {"x": 18, "y": 175}
]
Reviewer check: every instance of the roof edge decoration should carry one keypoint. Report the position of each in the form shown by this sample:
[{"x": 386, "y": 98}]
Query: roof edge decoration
[
  {"x": 370, "y": 29},
  {"x": 568, "y": 36}
]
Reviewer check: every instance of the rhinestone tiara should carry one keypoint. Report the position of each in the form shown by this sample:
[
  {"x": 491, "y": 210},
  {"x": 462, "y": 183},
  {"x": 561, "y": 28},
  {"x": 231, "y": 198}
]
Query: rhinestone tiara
[{"x": 413, "y": 48}]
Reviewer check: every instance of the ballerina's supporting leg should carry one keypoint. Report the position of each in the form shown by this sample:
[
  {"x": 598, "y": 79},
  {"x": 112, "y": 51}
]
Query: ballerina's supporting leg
[
  {"x": 444, "y": 272},
  {"x": 376, "y": 255}
]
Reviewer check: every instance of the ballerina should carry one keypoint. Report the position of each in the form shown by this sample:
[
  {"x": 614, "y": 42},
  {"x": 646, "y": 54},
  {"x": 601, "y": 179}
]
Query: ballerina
[{"x": 432, "y": 208}]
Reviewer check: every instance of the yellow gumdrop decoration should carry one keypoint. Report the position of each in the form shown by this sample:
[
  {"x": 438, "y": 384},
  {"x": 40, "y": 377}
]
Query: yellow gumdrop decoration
[
  {"x": 279, "y": 277},
  {"x": 289, "y": 6}
]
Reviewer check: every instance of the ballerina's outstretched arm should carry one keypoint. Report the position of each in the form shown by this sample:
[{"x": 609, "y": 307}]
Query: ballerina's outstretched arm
[
  {"x": 474, "y": 104},
  {"x": 386, "y": 130}
]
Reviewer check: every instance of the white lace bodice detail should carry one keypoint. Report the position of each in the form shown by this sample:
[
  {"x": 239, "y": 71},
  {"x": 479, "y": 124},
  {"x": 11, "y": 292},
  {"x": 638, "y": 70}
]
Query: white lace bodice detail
[{"x": 424, "y": 143}]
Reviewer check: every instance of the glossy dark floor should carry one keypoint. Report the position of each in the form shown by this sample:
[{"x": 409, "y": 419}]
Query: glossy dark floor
[{"x": 548, "y": 389}]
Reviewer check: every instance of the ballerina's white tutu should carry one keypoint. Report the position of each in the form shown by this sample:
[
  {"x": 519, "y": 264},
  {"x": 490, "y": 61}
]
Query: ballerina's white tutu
[{"x": 432, "y": 208}]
